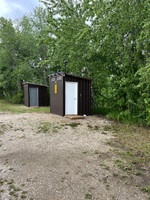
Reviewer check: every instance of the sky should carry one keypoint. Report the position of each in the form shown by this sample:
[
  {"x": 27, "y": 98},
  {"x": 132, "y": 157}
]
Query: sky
[{"x": 15, "y": 9}]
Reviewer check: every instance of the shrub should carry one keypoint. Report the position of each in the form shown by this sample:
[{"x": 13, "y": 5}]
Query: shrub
[{"x": 18, "y": 98}]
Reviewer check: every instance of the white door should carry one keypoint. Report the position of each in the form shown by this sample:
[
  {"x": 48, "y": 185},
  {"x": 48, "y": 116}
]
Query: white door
[
  {"x": 34, "y": 96},
  {"x": 71, "y": 98}
]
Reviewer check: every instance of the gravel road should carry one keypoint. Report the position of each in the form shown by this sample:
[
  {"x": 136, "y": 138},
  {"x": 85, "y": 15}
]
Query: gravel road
[{"x": 49, "y": 157}]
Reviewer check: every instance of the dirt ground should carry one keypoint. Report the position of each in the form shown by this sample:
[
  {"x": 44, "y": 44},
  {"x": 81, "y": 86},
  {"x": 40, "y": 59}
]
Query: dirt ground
[{"x": 48, "y": 157}]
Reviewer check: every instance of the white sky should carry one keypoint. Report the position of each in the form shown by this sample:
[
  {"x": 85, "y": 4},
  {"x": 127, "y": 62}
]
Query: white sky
[{"x": 16, "y": 8}]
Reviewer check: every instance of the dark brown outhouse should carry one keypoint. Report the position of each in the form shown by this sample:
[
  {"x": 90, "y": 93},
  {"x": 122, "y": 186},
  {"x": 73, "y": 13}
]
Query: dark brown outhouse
[
  {"x": 70, "y": 94},
  {"x": 35, "y": 94}
]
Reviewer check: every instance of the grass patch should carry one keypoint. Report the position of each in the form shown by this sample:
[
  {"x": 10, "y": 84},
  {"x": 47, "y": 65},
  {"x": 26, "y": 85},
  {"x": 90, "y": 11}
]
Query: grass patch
[
  {"x": 88, "y": 196},
  {"x": 134, "y": 143},
  {"x": 6, "y": 106},
  {"x": 73, "y": 124},
  {"x": 4, "y": 127},
  {"x": 102, "y": 164},
  {"x": 146, "y": 189},
  {"x": 44, "y": 127},
  {"x": 93, "y": 128},
  {"x": 85, "y": 152}
]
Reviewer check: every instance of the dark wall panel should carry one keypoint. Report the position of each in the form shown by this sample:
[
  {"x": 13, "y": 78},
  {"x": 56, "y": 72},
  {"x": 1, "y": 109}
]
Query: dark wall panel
[
  {"x": 26, "y": 96},
  {"x": 43, "y": 92}
]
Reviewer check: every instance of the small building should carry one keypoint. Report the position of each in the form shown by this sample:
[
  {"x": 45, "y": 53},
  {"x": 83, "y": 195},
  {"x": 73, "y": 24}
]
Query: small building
[
  {"x": 70, "y": 94},
  {"x": 35, "y": 94}
]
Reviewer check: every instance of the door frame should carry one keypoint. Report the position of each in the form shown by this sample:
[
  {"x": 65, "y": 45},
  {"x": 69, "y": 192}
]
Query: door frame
[{"x": 77, "y": 96}]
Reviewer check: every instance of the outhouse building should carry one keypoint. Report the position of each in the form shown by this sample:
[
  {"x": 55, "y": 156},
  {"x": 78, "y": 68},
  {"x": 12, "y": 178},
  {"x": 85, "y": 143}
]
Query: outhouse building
[
  {"x": 35, "y": 95},
  {"x": 70, "y": 94}
]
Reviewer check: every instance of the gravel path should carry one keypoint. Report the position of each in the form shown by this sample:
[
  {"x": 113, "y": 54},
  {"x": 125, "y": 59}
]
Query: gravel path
[{"x": 48, "y": 157}]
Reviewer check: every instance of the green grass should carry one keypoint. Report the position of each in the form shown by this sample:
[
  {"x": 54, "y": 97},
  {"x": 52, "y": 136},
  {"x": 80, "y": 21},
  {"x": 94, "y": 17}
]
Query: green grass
[
  {"x": 73, "y": 124},
  {"x": 44, "y": 127},
  {"x": 88, "y": 196},
  {"x": 132, "y": 142},
  {"x": 93, "y": 128},
  {"x": 6, "y": 106}
]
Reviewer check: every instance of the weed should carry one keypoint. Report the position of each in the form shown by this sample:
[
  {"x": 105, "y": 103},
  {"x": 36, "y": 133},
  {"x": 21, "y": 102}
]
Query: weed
[
  {"x": 1, "y": 182},
  {"x": 73, "y": 125},
  {"x": 62, "y": 124},
  {"x": 17, "y": 189},
  {"x": 24, "y": 192},
  {"x": 112, "y": 197},
  {"x": 1, "y": 132},
  {"x": 104, "y": 133},
  {"x": 93, "y": 128},
  {"x": 22, "y": 137},
  {"x": 10, "y": 182},
  {"x": 11, "y": 187},
  {"x": 11, "y": 193},
  {"x": 96, "y": 128},
  {"x": 15, "y": 195},
  {"x": 136, "y": 172},
  {"x": 101, "y": 163},
  {"x": 23, "y": 196},
  {"x": 89, "y": 126},
  {"x": 96, "y": 152},
  {"x": 123, "y": 176},
  {"x": 63, "y": 179},
  {"x": 85, "y": 152},
  {"x": 115, "y": 174},
  {"x": 107, "y": 186},
  {"x": 57, "y": 127},
  {"x": 146, "y": 189},
  {"x": 124, "y": 166},
  {"x": 3, "y": 128},
  {"x": 88, "y": 196},
  {"x": 54, "y": 130},
  {"x": 126, "y": 183},
  {"x": 107, "y": 128},
  {"x": 105, "y": 179},
  {"x": 106, "y": 167},
  {"x": 44, "y": 127}
]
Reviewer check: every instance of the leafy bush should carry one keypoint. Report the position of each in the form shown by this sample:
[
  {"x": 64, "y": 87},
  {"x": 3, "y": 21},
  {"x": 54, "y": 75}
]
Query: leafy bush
[{"x": 18, "y": 98}]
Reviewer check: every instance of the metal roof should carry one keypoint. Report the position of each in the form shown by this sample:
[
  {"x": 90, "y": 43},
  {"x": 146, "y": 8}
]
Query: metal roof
[
  {"x": 27, "y": 83},
  {"x": 66, "y": 74}
]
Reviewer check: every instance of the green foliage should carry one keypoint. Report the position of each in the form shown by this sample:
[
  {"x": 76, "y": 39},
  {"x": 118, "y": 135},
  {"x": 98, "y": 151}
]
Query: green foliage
[
  {"x": 18, "y": 98},
  {"x": 105, "y": 40}
]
